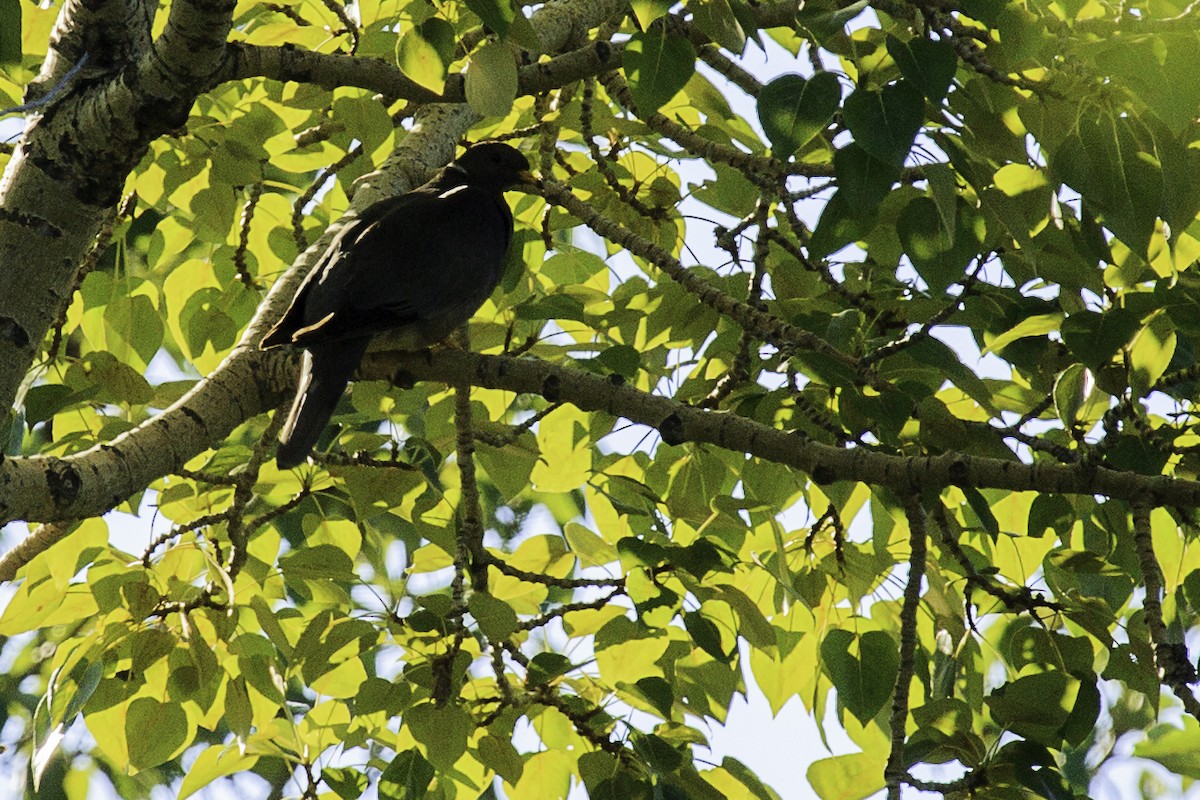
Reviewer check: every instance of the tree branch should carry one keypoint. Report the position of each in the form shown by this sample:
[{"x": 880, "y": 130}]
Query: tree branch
[
  {"x": 72, "y": 163},
  {"x": 250, "y": 382},
  {"x": 918, "y": 538},
  {"x": 1174, "y": 668}
]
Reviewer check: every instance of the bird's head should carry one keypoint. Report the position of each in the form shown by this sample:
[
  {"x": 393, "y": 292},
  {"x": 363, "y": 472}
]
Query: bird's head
[{"x": 495, "y": 165}]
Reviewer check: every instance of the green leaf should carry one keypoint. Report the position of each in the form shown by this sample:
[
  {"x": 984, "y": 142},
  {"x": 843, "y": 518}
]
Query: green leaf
[
  {"x": 491, "y": 83},
  {"x": 863, "y": 180},
  {"x": 940, "y": 429},
  {"x": 658, "y": 693},
  {"x": 347, "y": 782},
  {"x": 43, "y": 402},
  {"x": 1033, "y": 767},
  {"x": 1035, "y": 706},
  {"x": 1094, "y": 338},
  {"x": 793, "y": 110},
  {"x": 510, "y": 467},
  {"x": 45, "y": 745},
  {"x": 929, "y": 64},
  {"x": 1081, "y": 722},
  {"x": 215, "y": 761},
  {"x": 864, "y": 682},
  {"x": 590, "y": 549},
  {"x": 10, "y": 31},
  {"x": 944, "y": 188},
  {"x": 499, "y": 755},
  {"x": 1151, "y": 353},
  {"x": 425, "y": 51},
  {"x": 522, "y": 33},
  {"x": 622, "y": 360},
  {"x": 658, "y": 65},
  {"x": 1071, "y": 390},
  {"x": 1160, "y": 70},
  {"x": 319, "y": 561},
  {"x": 659, "y": 754},
  {"x": 545, "y": 667},
  {"x": 1176, "y": 749},
  {"x": 115, "y": 380},
  {"x": 939, "y": 257},
  {"x": 982, "y": 509},
  {"x": 840, "y": 224},
  {"x": 155, "y": 731},
  {"x": 646, "y": 11},
  {"x": 1112, "y": 163},
  {"x": 213, "y": 209},
  {"x": 884, "y": 123},
  {"x": 745, "y": 776},
  {"x": 1180, "y": 167},
  {"x": 497, "y": 15},
  {"x": 496, "y": 618},
  {"x": 1036, "y": 325},
  {"x": 705, "y": 634},
  {"x": 717, "y": 20},
  {"x": 848, "y": 777},
  {"x": 443, "y": 730},
  {"x": 729, "y": 191},
  {"x": 407, "y": 777},
  {"x": 135, "y": 321},
  {"x": 753, "y": 626},
  {"x": 238, "y": 712}
]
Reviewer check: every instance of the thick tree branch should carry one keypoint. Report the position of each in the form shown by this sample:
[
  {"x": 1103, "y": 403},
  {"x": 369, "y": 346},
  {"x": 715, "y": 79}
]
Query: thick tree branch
[
  {"x": 189, "y": 50},
  {"x": 331, "y": 70},
  {"x": 679, "y": 422},
  {"x": 109, "y": 34},
  {"x": 327, "y": 70},
  {"x": 74, "y": 158},
  {"x": 251, "y": 382}
]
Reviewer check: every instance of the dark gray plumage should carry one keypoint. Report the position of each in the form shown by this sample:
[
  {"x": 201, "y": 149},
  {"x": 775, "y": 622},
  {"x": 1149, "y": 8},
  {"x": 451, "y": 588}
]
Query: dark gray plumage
[{"x": 415, "y": 267}]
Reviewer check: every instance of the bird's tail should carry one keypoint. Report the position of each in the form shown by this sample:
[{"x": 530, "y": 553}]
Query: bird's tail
[{"x": 323, "y": 378}]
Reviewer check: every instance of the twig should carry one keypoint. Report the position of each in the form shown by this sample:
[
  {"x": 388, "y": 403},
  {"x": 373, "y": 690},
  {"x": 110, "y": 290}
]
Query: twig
[{"x": 54, "y": 92}]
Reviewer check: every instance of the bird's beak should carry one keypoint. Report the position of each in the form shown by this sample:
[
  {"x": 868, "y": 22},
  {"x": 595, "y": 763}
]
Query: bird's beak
[{"x": 529, "y": 178}]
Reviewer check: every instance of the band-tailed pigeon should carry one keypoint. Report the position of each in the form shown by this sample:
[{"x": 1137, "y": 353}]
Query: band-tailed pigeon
[{"x": 414, "y": 267}]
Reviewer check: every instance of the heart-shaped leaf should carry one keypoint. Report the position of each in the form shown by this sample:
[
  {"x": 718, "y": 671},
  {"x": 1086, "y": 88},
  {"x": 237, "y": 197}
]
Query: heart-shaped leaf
[
  {"x": 491, "y": 83},
  {"x": 863, "y": 682},
  {"x": 496, "y": 14},
  {"x": 657, "y": 65},
  {"x": 793, "y": 110},
  {"x": 155, "y": 732},
  {"x": 928, "y": 64},
  {"x": 863, "y": 179},
  {"x": 885, "y": 123},
  {"x": 425, "y": 51},
  {"x": 717, "y": 20}
]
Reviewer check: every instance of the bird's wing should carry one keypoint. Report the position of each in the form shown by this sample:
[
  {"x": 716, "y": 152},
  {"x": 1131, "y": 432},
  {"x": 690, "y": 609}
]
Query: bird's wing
[
  {"x": 435, "y": 256},
  {"x": 298, "y": 320}
]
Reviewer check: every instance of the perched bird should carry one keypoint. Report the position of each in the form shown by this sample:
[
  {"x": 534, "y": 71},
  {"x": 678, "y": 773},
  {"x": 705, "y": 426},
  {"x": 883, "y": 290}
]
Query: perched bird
[{"x": 414, "y": 267}]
